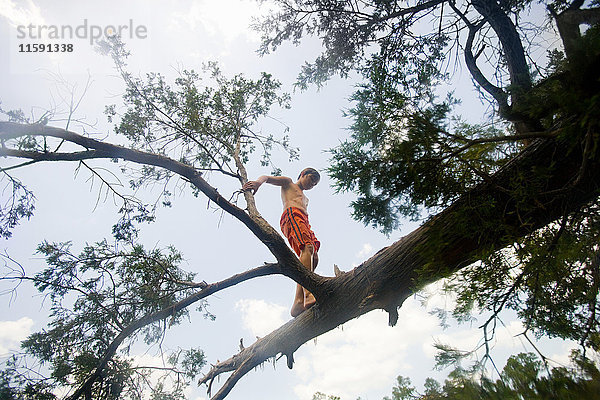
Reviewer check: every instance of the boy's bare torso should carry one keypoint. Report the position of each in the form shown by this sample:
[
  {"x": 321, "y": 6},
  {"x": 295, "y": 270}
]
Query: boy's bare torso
[
  {"x": 293, "y": 196},
  {"x": 292, "y": 193}
]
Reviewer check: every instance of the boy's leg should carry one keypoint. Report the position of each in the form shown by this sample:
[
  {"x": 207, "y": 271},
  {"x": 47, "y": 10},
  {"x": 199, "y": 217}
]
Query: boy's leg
[
  {"x": 303, "y": 299},
  {"x": 298, "y": 305},
  {"x": 307, "y": 258}
]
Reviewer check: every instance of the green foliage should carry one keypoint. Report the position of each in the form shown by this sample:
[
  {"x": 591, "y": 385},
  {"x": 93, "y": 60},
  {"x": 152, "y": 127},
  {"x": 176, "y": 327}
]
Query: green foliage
[
  {"x": 406, "y": 157},
  {"x": 204, "y": 120},
  {"x": 523, "y": 378},
  {"x": 396, "y": 123},
  {"x": 402, "y": 159},
  {"x": 402, "y": 391},
  {"x": 550, "y": 279},
  {"x": 206, "y": 125},
  {"x": 347, "y": 30},
  {"x": 18, "y": 203},
  {"x": 95, "y": 296},
  {"x": 323, "y": 396}
]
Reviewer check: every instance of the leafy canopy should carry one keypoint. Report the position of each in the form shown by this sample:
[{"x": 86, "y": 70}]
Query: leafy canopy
[{"x": 94, "y": 296}]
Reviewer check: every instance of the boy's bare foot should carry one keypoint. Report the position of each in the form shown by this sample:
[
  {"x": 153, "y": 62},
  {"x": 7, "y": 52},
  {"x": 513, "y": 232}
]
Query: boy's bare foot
[
  {"x": 297, "y": 309},
  {"x": 309, "y": 300}
]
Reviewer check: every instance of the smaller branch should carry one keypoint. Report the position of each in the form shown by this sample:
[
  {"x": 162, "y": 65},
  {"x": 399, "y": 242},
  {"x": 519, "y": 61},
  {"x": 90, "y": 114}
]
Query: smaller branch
[
  {"x": 497, "y": 93},
  {"x": 542, "y": 356},
  {"x": 413, "y": 10},
  {"x": 499, "y": 139},
  {"x": 488, "y": 355},
  {"x": 18, "y": 165},
  {"x": 103, "y": 181},
  {"x": 240, "y": 371},
  {"x": 505, "y": 298},
  {"x": 85, "y": 387}
]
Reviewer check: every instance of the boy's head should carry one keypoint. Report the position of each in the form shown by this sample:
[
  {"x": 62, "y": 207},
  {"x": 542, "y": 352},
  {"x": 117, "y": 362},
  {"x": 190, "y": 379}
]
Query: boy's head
[{"x": 313, "y": 173}]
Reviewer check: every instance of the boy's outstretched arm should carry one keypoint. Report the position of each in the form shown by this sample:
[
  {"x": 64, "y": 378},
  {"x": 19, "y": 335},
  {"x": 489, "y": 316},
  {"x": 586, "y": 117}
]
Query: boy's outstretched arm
[{"x": 273, "y": 180}]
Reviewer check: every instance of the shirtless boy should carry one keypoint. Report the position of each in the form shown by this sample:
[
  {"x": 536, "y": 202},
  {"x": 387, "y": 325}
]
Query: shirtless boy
[{"x": 295, "y": 226}]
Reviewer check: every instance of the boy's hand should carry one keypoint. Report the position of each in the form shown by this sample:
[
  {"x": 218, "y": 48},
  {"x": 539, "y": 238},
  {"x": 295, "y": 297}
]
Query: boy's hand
[{"x": 252, "y": 186}]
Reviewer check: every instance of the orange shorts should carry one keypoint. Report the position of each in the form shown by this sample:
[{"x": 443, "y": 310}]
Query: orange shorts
[{"x": 295, "y": 226}]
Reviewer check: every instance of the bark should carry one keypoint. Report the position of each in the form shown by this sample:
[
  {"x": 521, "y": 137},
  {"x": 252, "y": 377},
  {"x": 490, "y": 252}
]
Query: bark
[
  {"x": 510, "y": 41},
  {"x": 568, "y": 23},
  {"x": 485, "y": 219}
]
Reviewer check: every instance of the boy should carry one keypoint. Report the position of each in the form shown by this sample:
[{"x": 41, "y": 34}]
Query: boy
[{"x": 295, "y": 226}]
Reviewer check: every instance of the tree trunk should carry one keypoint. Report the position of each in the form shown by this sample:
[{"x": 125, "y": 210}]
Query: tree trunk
[{"x": 487, "y": 218}]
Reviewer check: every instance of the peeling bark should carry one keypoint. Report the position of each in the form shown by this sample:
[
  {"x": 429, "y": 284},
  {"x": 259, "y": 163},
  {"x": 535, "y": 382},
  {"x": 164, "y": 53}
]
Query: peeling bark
[{"x": 438, "y": 248}]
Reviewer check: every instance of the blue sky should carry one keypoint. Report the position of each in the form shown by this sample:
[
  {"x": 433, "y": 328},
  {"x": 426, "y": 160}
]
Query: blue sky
[{"x": 363, "y": 357}]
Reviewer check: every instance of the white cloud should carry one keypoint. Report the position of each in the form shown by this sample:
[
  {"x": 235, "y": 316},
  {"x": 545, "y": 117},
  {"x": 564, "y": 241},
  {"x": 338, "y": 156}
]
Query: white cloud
[
  {"x": 21, "y": 15},
  {"x": 363, "y": 355},
  {"x": 226, "y": 19},
  {"x": 562, "y": 356},
  {"x": 367, "y": 250},
  {"x": 12, "y": 333},
  {"x": 260, "y": 317}
]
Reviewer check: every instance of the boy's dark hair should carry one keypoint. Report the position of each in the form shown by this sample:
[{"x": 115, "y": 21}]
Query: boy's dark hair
[{"x": 310, "y": 171}]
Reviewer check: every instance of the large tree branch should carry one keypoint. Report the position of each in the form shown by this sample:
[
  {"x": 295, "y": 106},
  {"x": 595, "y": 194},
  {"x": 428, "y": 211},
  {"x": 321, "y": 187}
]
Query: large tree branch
[
  {"x": 471, "y": 61},
  {"x": 484, "y": 219},
  {"x": 514, "y": 54}
]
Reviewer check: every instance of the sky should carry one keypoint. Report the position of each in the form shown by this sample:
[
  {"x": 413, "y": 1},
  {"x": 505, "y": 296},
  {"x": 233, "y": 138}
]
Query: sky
[{"x": 359, "y": 359}]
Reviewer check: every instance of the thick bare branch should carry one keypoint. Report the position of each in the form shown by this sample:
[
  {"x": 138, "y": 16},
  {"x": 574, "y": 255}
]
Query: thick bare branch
[
  {"x": 436, "y": 249},
  {"x": 471, "y": 61}
]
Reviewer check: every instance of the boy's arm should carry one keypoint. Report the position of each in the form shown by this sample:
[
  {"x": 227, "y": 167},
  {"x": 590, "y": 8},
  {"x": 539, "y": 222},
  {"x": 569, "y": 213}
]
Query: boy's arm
[{"x": 273, "y": 180}]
